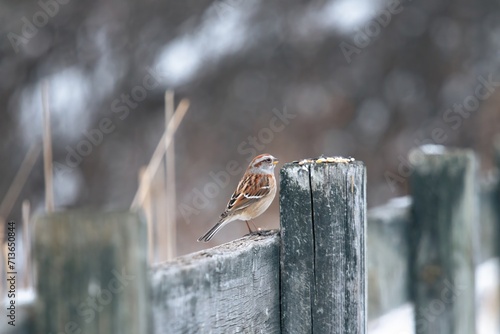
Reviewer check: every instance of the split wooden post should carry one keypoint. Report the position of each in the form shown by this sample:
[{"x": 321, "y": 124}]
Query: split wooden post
[
  {"x": 323, "y": 218},
  {"x": 92, "y": 273},
  {"x": 444, "y": 221}
]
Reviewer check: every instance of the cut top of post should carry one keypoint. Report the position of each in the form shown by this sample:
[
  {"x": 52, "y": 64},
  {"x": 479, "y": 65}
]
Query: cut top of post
[{"x": 427, "y": 158}]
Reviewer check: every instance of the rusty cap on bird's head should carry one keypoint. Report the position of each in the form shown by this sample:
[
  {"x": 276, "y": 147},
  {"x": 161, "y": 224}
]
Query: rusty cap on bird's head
[{"x": 262, "y": 160}]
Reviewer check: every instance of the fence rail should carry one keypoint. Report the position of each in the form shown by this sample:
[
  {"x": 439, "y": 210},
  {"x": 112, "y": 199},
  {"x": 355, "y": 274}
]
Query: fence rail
[
  {"x": 310, "y": 278},
  {"x": 230, "y": 288}
]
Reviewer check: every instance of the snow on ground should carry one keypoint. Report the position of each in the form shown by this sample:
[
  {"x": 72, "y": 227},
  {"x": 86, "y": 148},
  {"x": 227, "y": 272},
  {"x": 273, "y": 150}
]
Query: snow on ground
[{"x": 400, "y": 320}]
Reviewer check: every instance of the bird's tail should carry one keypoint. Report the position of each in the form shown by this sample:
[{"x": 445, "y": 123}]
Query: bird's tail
[{"x": 210, "y": 234}]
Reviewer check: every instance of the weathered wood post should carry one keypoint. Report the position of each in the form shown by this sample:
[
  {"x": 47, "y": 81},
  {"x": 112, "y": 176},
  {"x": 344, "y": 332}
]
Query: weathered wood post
[
  {"x": 444, "y": 222},
  {"x": 92, "y": 274},
  {"x": 323, "y": 279}
]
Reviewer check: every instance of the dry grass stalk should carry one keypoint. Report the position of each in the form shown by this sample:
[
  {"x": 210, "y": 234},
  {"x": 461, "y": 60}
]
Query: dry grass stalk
[
  {"x": 169, "y": 238},
  {"x": 28, "y": 268},
  {"x": 156, "y": 159},
  {"x": 147, "y": 208},
  {"x": 47, "y": 150}
]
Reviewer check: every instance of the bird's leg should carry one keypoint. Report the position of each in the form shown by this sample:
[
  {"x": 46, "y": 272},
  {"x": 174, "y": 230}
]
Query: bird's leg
[
  {"x": 256, "y": 228},
  {"x": 249, "y": 229}
]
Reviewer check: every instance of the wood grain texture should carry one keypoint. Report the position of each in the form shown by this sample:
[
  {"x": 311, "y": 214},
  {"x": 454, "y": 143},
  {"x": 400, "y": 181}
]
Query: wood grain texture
[
  {"x": 297, "y": 249},
  {"x": 444, "y": 223},
  {"x": 323, "y": 248},
  {"x": 339, "y": 211},
  {"x": 232, "y": 288},
  {"x": 91, "y": 272}
]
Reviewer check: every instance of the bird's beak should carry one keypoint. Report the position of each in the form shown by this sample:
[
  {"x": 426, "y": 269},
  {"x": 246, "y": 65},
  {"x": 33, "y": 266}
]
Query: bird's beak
[{"x": 275, "y": 162}]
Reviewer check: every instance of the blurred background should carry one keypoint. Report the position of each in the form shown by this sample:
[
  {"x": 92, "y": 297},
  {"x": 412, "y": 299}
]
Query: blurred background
[{"x": 367, "y": 79}]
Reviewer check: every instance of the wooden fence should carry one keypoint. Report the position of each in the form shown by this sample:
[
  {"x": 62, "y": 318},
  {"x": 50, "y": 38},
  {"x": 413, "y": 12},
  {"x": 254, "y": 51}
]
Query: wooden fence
[{"x": 327, "y": 270}]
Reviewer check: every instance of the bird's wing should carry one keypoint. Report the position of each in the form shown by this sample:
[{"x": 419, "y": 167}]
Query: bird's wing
[{"x": 250, "y": 189}]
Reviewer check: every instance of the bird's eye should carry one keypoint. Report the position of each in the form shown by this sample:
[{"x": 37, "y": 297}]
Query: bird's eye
[{"x": 268, "y": 160}]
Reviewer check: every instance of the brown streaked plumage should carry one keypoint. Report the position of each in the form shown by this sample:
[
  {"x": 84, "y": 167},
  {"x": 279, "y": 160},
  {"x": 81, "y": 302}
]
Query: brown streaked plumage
[{"x": 252, "y": 196}]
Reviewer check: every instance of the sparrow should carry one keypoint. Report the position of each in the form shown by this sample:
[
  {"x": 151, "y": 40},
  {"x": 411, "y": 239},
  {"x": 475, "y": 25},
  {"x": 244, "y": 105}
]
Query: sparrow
[{"x": 253, "y": 195}]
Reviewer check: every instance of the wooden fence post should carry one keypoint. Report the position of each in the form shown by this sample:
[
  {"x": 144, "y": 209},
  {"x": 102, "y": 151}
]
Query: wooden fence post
[
  {"x": 323, "y": 217},
  {"x": 444, "y": 223},
  {"x": 92, "y": 273}
]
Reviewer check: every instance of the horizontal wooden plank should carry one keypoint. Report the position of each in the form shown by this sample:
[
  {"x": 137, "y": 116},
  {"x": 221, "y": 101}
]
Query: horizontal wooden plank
[{"x": 232, "y": 288}]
